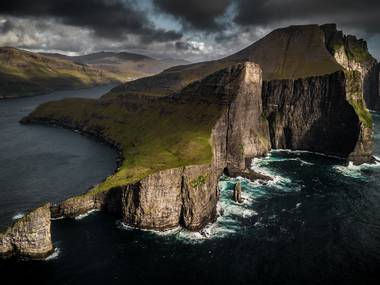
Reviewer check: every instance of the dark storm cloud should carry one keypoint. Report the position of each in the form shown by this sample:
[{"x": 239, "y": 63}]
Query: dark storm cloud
[
  {"x": 185, "y": 46},
  {"x": 199, "y": 14},
  {"x": 358, "y": 14},
  {"x": 109, "y": 19},
  {"x": 6, "y": 26}
]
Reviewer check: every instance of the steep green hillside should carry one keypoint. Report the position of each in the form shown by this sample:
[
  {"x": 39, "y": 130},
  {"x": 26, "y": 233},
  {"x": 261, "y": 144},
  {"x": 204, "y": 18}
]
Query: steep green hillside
[
  {"x": 24, "y": 73},
  {"x": 156, "y": 132},
  {"x": 289, "y": 53},
  {"x": 128, "y": 65}
]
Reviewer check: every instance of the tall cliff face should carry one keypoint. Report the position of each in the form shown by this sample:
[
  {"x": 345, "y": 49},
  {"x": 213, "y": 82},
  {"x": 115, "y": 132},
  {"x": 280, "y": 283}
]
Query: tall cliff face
[
  {"x": 294, "y": 57},
  {"x": 311, "y": 114},
  {"x": 352, "y": 54},
  {"x": 186, "y": 196},
  {"x": 29, "y": 236},
  {"x": 242, "y": 131}
]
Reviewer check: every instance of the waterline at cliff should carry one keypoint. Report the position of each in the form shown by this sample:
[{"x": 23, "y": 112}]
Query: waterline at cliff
[{"x": 315, "y": 226}]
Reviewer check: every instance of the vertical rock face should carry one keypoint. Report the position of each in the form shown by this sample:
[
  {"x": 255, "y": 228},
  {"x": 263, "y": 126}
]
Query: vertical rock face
[
  {"x": 311, "y": 114},
  {"x": 237, "y": 193},
  {"x": 188, "y": 196},
  {"x": 199, "y": 196},
  {"x": 154, "y": 202},
  {"x": 242, "y": 131},
  {"x": 184, "y": 196},
  {"x": 363, "y": 151},
  {"x": 352, "y": 54},
  {"x": 29, "y": 236},
  {"x": 109, "y": 201}
]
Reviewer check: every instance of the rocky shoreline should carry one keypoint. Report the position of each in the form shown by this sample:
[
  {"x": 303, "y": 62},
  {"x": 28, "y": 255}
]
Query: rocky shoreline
[{"x": 322, "y": 113}]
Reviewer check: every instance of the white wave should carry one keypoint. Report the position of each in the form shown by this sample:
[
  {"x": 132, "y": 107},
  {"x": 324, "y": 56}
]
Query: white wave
[
  {"x": 279, "y": 150},
  {"x": 57, "y": 218},
  {"x": 18, "y": 216},
  {"x": 82, "y": 216},
  {"x": 237, "y": 209},
  {"x": 355, "y": 171},
  {"x": 54, "y": 255},
  {"x": 260, "y": 165},
  {"x": 123, "y": 226}
]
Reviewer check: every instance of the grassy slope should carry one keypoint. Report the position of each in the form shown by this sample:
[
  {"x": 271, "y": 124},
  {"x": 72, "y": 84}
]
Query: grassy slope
[
  {"x": 25, "y": 73},
  {"x": 356, "y": 50},
  {"x": 129, "y": 65},
  {"x": 290, "y": 53},
  {"x": 153, "y": 135}
]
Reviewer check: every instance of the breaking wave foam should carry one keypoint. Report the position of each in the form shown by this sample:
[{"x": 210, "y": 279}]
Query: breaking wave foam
[
  {"x": 18, "y": 216},
  {"x": 355, "y": 171},
  {"x": 82, "y": 216},
  {"x": 54, "y": 255}
]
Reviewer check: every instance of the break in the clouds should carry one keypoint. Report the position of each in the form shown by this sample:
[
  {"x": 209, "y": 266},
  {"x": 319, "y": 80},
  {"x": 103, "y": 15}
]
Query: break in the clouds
[{"x": 191, "y": 29}]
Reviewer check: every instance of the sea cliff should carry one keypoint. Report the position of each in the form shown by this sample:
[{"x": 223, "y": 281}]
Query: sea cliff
[{"x": 175, "y": 146}]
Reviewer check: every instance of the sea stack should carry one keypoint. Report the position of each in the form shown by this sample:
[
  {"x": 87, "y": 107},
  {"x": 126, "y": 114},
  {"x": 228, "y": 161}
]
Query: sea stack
[
  {"x": 29, "y": 236},
  {"x": 237, "y": 193}
]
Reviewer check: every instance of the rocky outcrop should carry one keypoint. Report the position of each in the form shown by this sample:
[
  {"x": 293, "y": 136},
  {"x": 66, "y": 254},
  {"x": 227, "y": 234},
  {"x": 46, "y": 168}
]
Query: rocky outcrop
[
  {"x": 187, "y": 196},
  {"x": 108, "y": 201},
  {"x": 155, "y": 202},
  {"x": 311, "y": 114},
  {"x": 236, "y": 139},
  {"x": 352, "y": 54},
  {"x": 184, "y": 196},
  {"x": 199, "y": 196},
  {"x": 29, "y": 236},
  {"x": 237, "y": 193}
]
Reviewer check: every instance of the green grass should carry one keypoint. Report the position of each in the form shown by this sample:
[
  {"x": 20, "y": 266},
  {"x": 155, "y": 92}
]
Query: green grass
[
  {"x": 199, "y": 181},
  {"x": 23, "y": 73},
  {"x": 153, "y": 135},
  {"x": 354, "y": 90}
]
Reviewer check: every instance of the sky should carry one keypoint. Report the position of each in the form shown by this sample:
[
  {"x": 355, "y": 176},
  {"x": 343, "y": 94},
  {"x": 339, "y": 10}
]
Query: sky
[{"x": 194, "y": 30}]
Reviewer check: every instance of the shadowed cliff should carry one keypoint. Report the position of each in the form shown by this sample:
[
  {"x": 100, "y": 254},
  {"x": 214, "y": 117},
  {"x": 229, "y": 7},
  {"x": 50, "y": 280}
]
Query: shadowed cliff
[{"x": 177, "y": 143}]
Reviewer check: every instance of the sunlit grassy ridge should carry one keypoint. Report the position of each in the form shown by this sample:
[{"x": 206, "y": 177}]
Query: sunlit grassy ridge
[
  {"x": 24, "y": 73},
  {"x": 152, "y": 134}
]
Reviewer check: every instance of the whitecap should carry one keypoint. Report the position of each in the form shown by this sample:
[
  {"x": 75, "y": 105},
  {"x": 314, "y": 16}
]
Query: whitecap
[
  {"x": 305, "y": 151},
  {"x": 355, "y": 171},
  {"x": 54, "y": 255},
  {"x": 351, "y": 170},
  {"x": 57, "y": 218},
  {"x": 82, "y": 216},
  {"x": 123, "y": 226},
  {"x": 18, "y": 216}
]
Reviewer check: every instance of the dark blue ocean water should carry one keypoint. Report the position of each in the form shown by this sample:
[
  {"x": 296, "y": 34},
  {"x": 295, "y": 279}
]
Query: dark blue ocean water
[
  {"x": 40, "y": 163},
  {"x": 318, "y": 222}
]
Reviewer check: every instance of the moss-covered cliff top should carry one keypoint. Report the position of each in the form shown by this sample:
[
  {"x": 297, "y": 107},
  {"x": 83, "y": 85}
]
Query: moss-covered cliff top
[
  {"x": 288, "y": 53},
  {"x": 152, "y": 133}
]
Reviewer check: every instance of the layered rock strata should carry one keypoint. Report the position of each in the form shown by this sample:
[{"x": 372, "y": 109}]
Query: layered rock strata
[
  {"x": 237, "y": 193},
  {"x": 187, "y": 196},
  {"x": 353, "y": 55},
  {"x": 320, "y": 113},
  {"x": 29, "y": 236}
]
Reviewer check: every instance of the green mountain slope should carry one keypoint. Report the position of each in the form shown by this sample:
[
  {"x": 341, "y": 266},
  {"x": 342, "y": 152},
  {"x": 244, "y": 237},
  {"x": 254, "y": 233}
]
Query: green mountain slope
[
  {"x": 129, "y": 65},
  {"x": 24, "y": 73}
]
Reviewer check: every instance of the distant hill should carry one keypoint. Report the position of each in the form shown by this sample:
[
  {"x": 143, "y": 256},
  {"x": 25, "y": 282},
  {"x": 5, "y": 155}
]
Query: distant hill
[
  {"x": 123, "y": 63},
  {"x": 24, "y": 73},
  {"x": 287, "y": 53}
]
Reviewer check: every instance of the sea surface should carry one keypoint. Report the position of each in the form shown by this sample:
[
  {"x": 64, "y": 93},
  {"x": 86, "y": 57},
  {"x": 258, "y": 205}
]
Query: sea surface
[
  {"x": 317, "y": 222},
  {"x": 40, "y": 163}
]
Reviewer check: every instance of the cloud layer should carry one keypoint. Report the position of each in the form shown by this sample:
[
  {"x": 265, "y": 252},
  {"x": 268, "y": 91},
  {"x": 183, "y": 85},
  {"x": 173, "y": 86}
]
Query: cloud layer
[{"x": 193, "y": 29}]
